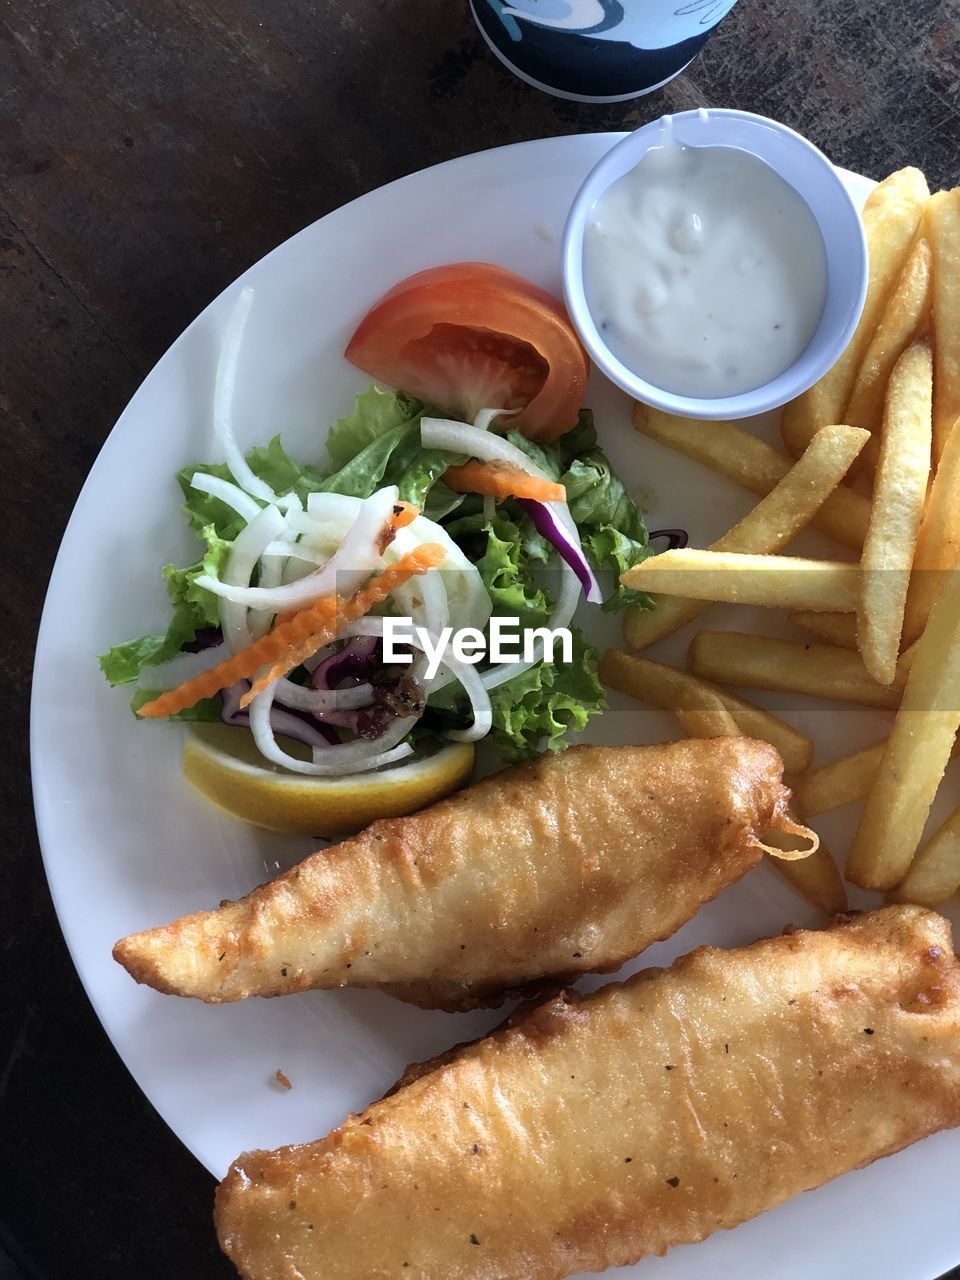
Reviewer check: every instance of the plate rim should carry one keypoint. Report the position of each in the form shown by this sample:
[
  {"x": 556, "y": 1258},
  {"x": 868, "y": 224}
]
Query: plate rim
[{"x": 943, "y": 1257}]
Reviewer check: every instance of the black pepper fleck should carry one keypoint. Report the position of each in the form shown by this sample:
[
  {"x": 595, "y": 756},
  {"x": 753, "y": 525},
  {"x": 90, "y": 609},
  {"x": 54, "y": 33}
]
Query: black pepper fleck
[
  {"x": 868, "y": 1031},
  {"x": 476, "y": 1147},
  {"x": 628, "y": 1159},
  {"x": 474, "y": 1240},
  {"x": 668, "y": 1066},
  {"x": 577, "y": 955},
  {"x": 674, "y": 1182},
  {"x": 283, "y": 973}
]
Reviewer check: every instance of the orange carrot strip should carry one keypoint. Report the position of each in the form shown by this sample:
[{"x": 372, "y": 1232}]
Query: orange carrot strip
[
  {"x": 330, "y": 623},
  {"x": 404, "y": 513},
  {"x": 502, "y": 479},
  {"x": 320, "y": 617}
]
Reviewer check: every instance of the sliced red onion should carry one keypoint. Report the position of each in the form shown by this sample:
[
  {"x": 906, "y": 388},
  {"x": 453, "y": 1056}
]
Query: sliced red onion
[
  {"x": 291, "y": 724},
  {"x": 676, "y": 538},
  {"x": 204, "y": 638},
  {"x": 547, "y": 524},
  {"x": 354, "y": 661}
]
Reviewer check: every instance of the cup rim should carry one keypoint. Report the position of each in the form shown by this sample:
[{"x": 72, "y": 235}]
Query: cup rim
[{"x": 845, "y": 230}]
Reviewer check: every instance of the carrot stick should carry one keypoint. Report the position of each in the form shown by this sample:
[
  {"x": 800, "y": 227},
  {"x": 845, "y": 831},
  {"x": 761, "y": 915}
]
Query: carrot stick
[
  {"x": 502, "y": 479},
  {"x": 404, "y": 513},
  {"x": 325, "y": 617}
]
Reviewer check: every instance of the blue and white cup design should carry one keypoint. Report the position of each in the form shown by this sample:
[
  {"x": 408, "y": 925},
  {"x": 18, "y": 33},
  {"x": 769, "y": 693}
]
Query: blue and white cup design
[{"x": 597, "y": 50}]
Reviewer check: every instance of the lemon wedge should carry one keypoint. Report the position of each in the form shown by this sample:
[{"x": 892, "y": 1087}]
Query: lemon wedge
[{"x": 225, "y": 767}]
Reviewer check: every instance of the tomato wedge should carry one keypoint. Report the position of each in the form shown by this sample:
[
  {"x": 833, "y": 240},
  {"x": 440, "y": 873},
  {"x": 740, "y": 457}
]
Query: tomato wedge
[{"x": 472, "y": 336}]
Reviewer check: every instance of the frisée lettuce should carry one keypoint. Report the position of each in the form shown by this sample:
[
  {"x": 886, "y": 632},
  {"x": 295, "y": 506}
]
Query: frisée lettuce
[{"x": 379, "y": 444}]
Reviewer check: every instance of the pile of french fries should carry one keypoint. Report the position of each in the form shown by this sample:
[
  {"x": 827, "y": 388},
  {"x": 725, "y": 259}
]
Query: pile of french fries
[{"x": 873, "y": 461}]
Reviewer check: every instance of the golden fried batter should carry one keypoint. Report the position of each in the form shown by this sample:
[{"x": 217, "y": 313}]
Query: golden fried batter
[
  {"x": 596, "y": 1131},
  {"x": 569, "y": 864}
]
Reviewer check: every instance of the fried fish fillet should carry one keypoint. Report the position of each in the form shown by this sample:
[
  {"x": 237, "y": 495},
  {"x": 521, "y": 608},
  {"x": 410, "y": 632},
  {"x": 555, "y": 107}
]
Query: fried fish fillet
[
  {"x": 569, "y": 864},
  {"x": 596, "y": 1131}
]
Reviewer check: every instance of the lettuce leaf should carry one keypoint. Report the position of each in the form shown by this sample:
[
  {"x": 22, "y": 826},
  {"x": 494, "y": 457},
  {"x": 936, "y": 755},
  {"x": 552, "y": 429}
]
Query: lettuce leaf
[
  {"x": 271, "y": 463},
  {"x": 123, "y": 663},
  {"x": 608, "y": 548},
  {"x": 193, "y": 608},
  {"x": 376, "y": 413},
  {"x": 538, "y": 708},
  {"x": 611, "y": 525}
]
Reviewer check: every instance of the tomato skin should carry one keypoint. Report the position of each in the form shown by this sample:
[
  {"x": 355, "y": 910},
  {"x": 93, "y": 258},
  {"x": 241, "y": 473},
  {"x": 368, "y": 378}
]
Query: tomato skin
[{"x": 472, "y": 335}]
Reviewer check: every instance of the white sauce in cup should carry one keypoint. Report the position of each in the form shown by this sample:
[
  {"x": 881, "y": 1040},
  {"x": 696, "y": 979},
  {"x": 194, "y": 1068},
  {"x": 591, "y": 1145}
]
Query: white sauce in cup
[{"x": 704, "y": 271}]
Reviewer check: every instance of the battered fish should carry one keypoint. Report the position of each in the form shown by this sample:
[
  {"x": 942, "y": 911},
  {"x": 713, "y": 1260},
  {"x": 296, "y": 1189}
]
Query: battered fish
[
  {"x": 596, "y": 1131},
  {"x": 569, "y": 864}
]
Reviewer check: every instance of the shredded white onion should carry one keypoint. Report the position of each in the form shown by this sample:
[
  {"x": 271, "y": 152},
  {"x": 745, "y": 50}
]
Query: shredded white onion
[
  {"x": 223, "y": 390},
  {"x": 358, "y": 555},
  {"x": 476, "y": 691},
  {"x": 354, "y": 698},
  {"x": 427, "y": 588},
  {"x": 183, "y": 667},
  {"x": 486, "y": 417},
  {"x": 443, "y": 433},
  {"x": 332, "y": 506},
  {"x": 247, "y": 549},
  {"x": 272, "y": 567},
  {"x": 331, "y": 761},
  {"x": 457, "y": 437},
  {"x": 229, "y": 493},
  {"x": 295, "y": 551},
  {"x": 562, "y": 616}
]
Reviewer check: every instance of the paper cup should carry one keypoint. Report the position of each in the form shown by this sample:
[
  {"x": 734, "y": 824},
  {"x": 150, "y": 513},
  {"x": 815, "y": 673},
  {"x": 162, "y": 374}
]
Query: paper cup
[{"x": 597, "y": 50}]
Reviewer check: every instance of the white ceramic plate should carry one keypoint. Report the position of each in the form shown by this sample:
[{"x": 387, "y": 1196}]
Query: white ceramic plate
[{"x": 127, "y": 844}]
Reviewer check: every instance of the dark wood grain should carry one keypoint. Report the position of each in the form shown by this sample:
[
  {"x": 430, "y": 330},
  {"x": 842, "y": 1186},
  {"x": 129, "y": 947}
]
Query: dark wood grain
[{"x": 148, "y": 153}]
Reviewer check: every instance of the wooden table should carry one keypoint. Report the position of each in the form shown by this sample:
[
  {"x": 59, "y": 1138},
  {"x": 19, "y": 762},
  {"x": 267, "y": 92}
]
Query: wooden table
[{"x": 150, "y": 152}]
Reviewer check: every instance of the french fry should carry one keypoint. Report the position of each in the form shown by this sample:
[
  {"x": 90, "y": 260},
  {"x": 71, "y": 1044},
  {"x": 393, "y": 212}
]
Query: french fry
[
  {"x": 905, "y": 318},
  {"x": 897, "y": 511},
  {"x": 761, "y": 662},
  {"x": 668, "y": 689},
  {"x": 703, "y": 714},
  {"x": 916, "y": 753},
  {"x": 943, "y": 228},
  {"x": 838, "y": 783},
  {"x": 891, "y": 218},
  {"x": 775, "y": 582},
  {"x": 934, "y": 874},
  {"x": 938, "y": 546},
  {"x": 836, "y": 628},
  {"x": 773, "y": 522},
  {"x": 734, "y": 453}
]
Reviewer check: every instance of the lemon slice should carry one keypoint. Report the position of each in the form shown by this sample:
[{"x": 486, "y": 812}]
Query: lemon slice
[{"x": 224, "y": 765}]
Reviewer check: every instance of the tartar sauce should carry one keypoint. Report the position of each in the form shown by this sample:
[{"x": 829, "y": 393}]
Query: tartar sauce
[{"x": 704, "y": 270}]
